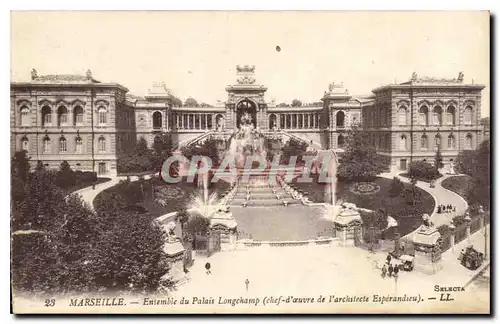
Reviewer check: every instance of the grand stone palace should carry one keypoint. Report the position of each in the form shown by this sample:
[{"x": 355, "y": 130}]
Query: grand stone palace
[{"x": 91, "y": 123}]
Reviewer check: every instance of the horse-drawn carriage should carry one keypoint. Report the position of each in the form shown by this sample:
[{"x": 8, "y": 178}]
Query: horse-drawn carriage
[{"x": 471, "y": 258}]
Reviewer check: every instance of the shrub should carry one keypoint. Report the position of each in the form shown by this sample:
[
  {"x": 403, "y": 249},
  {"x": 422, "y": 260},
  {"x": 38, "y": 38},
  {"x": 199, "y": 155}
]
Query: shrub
[
  {"x": 422, "y": 170},
  {"x": 397, "y": 187}
]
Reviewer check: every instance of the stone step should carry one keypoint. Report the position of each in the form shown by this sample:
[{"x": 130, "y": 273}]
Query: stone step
[{"x": 261, "y": 203}]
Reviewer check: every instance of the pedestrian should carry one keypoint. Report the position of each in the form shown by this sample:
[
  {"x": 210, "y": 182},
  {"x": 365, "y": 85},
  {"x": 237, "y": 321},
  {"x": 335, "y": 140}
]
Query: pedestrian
[
  {"x": 454, "y": 209},
  {"x": 207, "y": 268},
  {"x": 439, "y": 209},
  {"x": 247, "y": 282},
  {"x": 388, "y": 259},
  {"x": 396, "y": 270},
  {"x": 391, "y": 269},
  {"x": 384, "y": 270}
]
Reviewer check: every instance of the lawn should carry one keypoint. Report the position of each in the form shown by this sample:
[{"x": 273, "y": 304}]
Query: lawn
[
  {"x": 176, "y": 195},
  {"x": 458, "y": 184},
  {"x": 374, "y": 195}
]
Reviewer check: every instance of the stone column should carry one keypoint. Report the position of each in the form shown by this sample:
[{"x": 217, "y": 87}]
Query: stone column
[
  {"x": 303, "y": 123},
  {"x": 467, "y": 230},
  {"x": 206, "y": 121},
  {"x": 452, "y": 237}
]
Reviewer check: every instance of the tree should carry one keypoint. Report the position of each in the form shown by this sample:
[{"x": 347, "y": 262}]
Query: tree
[
  {"x": 197, "y": 225},
  {"x": 283, "y": 104},
  {"x": 205, "y": 105},
  {"x": 465, "y": 162},
  {"x": 182, "y": 217},
  {"x": 296, "y": 103},
  {"x": 162, "y": 150},
  {"x": 19, "y": 172},
  {"x": 140, "y": 158},
  {"x": 481, "y": 176},
  {"x": 191, "y": 102},
  {"x": 176, "y": 102},
  {"x": 65, "y": 177},
  {"x": 360, "y": 159},
  {"x": 293, "y": 148},
  {"x": 20, "y": 165},
  {"x": 396, "y": 188},
  {"x": 129, "y": 255},
  {"x": 422, "y": 170}
]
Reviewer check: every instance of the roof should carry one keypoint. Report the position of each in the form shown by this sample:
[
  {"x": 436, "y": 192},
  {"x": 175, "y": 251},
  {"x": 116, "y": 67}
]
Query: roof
[
  {"x": 430, "y": 82},
  {"x": 64, "y": 78},
  {"x": 67, "y": 80}
]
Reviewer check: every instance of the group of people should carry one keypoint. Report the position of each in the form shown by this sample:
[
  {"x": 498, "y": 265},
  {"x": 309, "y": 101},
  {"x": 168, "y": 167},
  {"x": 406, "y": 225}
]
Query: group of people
[
  {"x": 389, "y": 269},
  {"x": 446, "y": 209}
]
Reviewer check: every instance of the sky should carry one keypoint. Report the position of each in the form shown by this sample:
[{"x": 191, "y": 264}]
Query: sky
[{"x": 196, "y": 53}]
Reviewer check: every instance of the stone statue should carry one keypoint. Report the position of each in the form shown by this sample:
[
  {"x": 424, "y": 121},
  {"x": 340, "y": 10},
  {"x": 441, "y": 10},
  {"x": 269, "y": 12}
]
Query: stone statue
[
  {"x": 414, "y": 76},
  {"x": 427, "y": 223},
  {"x": 34, "y": 74},
  {"x": 89, "y": 74},
  {"x": 170, "y": 227},
  {"x": 452, "y": 168},
  {"x": 460, "y": 76},
  {"x": 331, "y": 86}
]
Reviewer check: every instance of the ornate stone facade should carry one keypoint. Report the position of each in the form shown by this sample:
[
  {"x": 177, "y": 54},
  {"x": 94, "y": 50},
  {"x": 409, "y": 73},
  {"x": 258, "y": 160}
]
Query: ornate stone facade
[{"x": 89, "y": 123}]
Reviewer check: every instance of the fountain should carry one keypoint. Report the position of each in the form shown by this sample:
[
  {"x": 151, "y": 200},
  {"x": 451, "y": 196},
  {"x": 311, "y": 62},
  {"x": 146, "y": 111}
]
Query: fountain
[{"x": 246, "y": 142}]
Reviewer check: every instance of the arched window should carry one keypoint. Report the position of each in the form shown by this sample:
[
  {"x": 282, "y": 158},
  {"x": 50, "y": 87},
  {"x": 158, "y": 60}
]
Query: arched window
[
  {"x": 102, "y": 113},
  {"x": 46, "y": 145},
  {"x": 78, "y": 115},
  {"x": 340, "y": 119},
  {"x": 423, "y": 115},
  {"x": 423, "y": 142},
  {"x": 340, "y": 141},
  {"x": 468, "y": 142},
  {"x": 78, "y": 145},
  {"x": 468, "y": 115},
  {"x": 62, "y": 116},
  {"x": 63, "y": 147},
  {"x": 450, "y": 115},
  {"x": 437, "y": 141},
  {"x": 24, "y": 144},
  {"x": 157, "y": 119},
  {"x": 403, "y": 143},
  {"x": 402, "y": 116},
  {"x": 272, "y": 122},
  {"x": 451, "y": 141},
  {"x": 46, "y": 116},
  {"x": 102, "y": 144},
  {"x": 437, "y": 114},
  {"x": 25, "y": 118}
]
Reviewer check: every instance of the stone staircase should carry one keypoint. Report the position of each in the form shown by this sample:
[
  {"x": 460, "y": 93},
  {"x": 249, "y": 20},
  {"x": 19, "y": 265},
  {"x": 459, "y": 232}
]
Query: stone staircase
[{"x": 261, "y": 193}]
